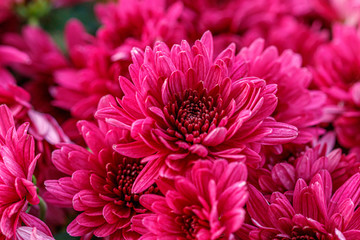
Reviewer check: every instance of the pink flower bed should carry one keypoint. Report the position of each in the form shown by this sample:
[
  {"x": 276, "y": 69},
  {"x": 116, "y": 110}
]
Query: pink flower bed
[{"x": 206, "y": 119}]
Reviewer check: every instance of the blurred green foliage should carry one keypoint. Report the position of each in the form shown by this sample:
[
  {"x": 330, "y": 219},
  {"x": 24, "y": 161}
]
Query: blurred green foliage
[
  {"x": 55, "y": 21},
  {"x": 33, "y": 10}
]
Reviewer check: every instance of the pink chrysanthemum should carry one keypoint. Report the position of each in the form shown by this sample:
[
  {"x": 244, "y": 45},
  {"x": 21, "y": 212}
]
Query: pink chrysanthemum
[
  {"x": 138, "y": 23},
  {"x": 183, "y": 105},
  {"x": 314, "y": 214},
  {"x": 17, "y": 163},
  {"x": 44, "y": 58},
  {"x": 42, "y": 50},
  {"x": 289, "y": 27},
  {"x": 297, "y": 104},
  {"x": 98, "y": 62},
  {"x": 284, "y": 175},
  {"x": 100, "y": 184},
  {"x": 92, "y": 74},
  {"x": 337, "y": 72},
  {"x": 238, "y": 21},
  {"x": 206, "y": 204},
  {"x": 43, "y": 127}
]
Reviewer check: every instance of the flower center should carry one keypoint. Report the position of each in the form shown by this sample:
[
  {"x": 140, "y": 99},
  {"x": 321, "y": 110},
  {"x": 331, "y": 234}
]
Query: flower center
[
  {"x": 119, "y": 181},
  {"x": 189, "y": 225},
  {"x": 192, "y": 114}
]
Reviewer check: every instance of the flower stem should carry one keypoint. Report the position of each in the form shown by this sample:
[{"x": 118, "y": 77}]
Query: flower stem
[{"x": 43, "y": 208}]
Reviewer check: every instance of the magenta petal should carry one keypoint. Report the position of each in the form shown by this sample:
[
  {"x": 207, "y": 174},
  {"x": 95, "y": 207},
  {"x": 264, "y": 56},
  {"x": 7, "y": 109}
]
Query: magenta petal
[
  {"x": 26, "y": 233},
  {"x": 89, "y": 221},
  {"x": 32, "y": 221},
  {"x": 215, "y": 137},
  {"x": 176, "y": 83},
  {"x": 352, "y": 235},
  {"x": 350, "y": 189},
  {"x": 300, "y": 185},
  {"x": 184, "y": 64},
  {"x": 81, "y": 179},
  {"x": 134, "y": 149},
  {"x": 88, "y": 198},
  {"x": 6, "y": 120},
  {"x": 10, "y": 218},
  {"x": 234, "y": 172},
  {"x": 147, "y": 175},
  {"x": 105, "y": 230},
  {"x": 355, "y": 220},
  {"x": 92, "y": 135},
  {"x": 284, "y": 174},
  {"x": 30, "y": 191},
  {"x": 75, "y": 229},
  {"x": 258, "y": 207},
  {"x": 12, "y": 165},
  {"x": 165, "y": 66},
  {"x": 12, "y": 55},
  {"x": 234, "y": 196},
  {"x": 234, "y": 219},
  {"x": 355, "y": 93},
  {"x": 63, "y": 189},
  {"x": 126, "y": 86},
  {"x": 207, "y": 40},
  {"x": 137, "y": 223},
  {"x": 186, "y": 189},
  {"x": 200, "y": 67},
  {"x": 346, "y": 209},
  {"x": 97, "y": 183},
  {"x": 147, "y": 200},
  {"x": 281, "y": 133},
  {"x": 112, "y": 212},
  {"x": 199, "y": 150}
]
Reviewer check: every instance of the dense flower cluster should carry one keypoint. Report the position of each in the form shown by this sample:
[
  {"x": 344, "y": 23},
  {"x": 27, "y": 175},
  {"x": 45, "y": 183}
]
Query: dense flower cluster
[{"x": 179, "y": 119}]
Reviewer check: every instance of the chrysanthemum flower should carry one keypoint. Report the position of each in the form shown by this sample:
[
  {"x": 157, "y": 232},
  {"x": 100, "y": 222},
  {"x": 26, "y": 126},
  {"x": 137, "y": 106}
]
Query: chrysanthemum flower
[
  {"x": 206, "y": 204},
  {"x": 44, "y": 59},
  {"x": 43, "y": 127},
  {"x": 337, "y": 72},
  {"x": 297, "y": 104},
  {"x": 314, "y": 214},
  {"x": 284, "y": 175},
  {"x": 92, "y": 75},
  {"x": 17, "y": 163},
  {"x": 289, "y": 27},
  {"x": 44, "y": 54},
  {"x": 98, "y": 62},
  {"x": 99, "y": 186},
  {"x": 138, "y": 23},
  {"x": 238, "y": 21},
  {"x": 184, "y": 104}
]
